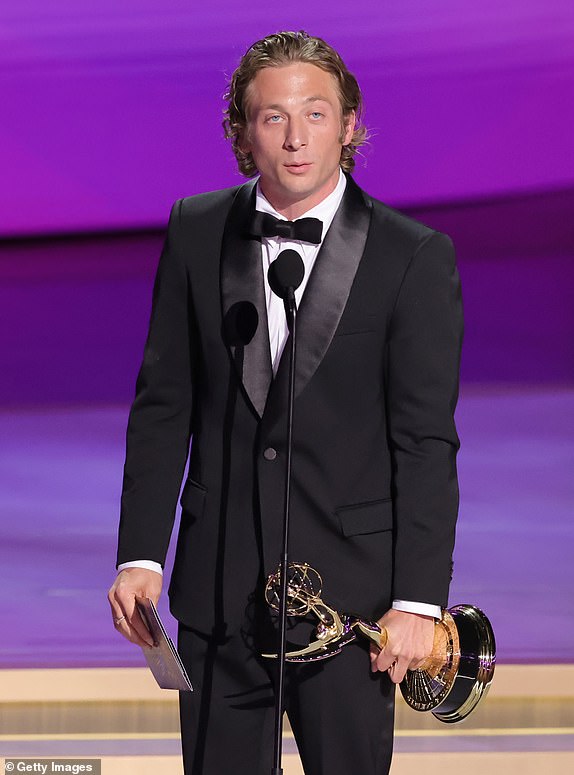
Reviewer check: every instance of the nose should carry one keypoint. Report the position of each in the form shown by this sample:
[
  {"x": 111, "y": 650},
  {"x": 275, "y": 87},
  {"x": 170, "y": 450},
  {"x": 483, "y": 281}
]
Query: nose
[{"x": 295, "y": 137}]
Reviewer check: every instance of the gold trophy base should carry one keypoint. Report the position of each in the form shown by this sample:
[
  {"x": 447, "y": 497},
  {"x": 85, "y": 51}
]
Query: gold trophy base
[{"x": 452, "y": 685}]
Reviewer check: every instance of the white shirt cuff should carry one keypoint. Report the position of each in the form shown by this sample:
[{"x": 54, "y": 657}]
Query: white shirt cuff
[
  {"x": 147, "y": 564},
  {"x": 425, "y": 609}
]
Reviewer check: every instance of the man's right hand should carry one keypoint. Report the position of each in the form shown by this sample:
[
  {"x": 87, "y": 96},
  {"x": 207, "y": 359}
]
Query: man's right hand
[{"x": 129, "y": 584}]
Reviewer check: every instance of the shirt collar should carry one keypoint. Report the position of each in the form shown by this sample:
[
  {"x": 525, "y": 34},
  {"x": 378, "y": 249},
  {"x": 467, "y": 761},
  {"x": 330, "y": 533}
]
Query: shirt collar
[{"x": 325, "y": 210}]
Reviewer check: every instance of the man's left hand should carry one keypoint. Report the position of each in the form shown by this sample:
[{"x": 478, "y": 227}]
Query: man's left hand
[{"x": 410, "y": 641}]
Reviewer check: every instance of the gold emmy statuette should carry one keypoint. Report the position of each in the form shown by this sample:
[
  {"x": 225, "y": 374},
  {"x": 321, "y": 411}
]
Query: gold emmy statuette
[{"x": 451, "y": 681}]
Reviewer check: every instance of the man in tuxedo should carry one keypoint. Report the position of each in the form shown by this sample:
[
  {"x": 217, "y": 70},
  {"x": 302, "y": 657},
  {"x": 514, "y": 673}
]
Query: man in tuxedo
[{"x": 374, "y": 489}]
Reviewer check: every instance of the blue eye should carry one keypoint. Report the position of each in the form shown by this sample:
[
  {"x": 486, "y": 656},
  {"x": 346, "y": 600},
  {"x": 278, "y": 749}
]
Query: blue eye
[{"x": 316, "y": 114}]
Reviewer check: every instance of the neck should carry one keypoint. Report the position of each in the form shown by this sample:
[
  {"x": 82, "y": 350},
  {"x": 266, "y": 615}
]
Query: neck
[{"x": 295, "y": 208}]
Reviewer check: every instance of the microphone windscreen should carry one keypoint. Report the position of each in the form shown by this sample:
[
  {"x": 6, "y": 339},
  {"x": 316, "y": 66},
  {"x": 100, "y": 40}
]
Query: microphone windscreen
[
  {"x": 240, "y": 323},
  {"x": 287, "y": 271}
]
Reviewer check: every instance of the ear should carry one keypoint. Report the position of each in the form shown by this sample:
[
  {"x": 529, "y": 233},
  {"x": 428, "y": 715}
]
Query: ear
[
  {"x": 349, "y": 127},
  {"x": 244, "y": 143}
]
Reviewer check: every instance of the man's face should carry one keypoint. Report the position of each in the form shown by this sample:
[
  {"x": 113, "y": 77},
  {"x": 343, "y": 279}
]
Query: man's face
[{"x": 295, "y": 133}]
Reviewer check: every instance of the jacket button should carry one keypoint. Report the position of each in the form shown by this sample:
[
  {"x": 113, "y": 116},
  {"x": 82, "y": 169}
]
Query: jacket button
[{"x": 270, "y": 453}]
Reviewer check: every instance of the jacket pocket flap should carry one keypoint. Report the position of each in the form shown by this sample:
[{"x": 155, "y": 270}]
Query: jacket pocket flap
[
  {"x": 193, "y": 498},
  {"x": 356, "y": 324},
  {"x": 364, "y": 518}
]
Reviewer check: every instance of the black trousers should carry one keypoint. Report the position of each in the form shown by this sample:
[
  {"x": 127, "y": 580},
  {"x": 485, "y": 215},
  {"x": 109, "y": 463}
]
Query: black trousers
[{"x": 341, "y": 714}]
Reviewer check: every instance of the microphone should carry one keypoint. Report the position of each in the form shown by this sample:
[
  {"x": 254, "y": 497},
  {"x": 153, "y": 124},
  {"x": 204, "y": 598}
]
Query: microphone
[
  {"x": 240, "y": 323},
  {"x": 285, "y": 275},
  {"x": 286, "y": 272}
]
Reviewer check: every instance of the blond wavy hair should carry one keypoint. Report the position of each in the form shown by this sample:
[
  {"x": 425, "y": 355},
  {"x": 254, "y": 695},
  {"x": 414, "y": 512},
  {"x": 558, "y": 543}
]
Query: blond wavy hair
[{"x": 279, "y": 49}]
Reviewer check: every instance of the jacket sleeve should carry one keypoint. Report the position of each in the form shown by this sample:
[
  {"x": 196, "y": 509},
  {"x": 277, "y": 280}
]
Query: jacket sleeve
[
  {"x": 159, "y": 426},
  {"x": 423, "y": 372}
]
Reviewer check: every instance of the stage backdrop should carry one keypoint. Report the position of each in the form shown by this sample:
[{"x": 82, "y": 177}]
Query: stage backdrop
[{"x": 111, "y": 109}]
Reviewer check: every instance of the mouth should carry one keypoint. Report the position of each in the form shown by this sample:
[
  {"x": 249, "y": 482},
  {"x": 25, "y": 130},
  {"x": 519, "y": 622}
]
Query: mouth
[{"x": 298, "y": 168}]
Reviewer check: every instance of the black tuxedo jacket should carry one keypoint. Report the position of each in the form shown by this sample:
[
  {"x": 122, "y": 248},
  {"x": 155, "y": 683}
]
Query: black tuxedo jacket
[{"x": 374, "y": 494}]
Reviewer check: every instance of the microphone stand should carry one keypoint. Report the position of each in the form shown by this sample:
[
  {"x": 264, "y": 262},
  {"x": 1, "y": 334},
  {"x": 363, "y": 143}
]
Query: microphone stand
[{"x": 291, "y": 312}]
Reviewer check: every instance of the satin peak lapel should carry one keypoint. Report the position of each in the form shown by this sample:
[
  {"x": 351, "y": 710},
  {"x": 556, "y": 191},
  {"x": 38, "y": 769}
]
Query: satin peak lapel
[
  {"x": 325, "y": 296},
  {"x": 245, "y": 326}
]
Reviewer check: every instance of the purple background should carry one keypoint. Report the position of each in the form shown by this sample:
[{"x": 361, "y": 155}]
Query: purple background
[{"x": 110, "y": 110}]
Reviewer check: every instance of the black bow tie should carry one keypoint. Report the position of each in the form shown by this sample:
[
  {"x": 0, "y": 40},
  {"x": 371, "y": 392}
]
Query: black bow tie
[{"x": 304, "y": 229}]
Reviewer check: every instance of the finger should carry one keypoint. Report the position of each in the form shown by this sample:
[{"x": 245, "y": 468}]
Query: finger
[
  {"x": 398, "y": 670},
  {"x": 383, "y": 661},
  {"x": 122, "y": 623},
  {"x": 118, "y": 616},
  {"x": 133, "y": 626},
  {"x": 125, "y": 629},
  {"x": 138, "y": 628},
  {"x": 118, "y": 619},
  {"x": 130, "y": 634}
]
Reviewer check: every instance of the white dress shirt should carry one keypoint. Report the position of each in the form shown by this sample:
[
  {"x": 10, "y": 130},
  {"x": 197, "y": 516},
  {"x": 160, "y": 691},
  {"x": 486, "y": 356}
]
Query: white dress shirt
[
  {"x": 278, "y": 331},
  {"x": 270, "y": 249}
]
